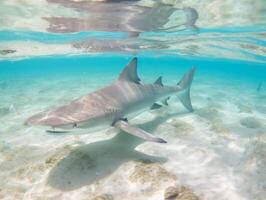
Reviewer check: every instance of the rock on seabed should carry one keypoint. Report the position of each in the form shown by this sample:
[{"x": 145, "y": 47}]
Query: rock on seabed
[
  {"x": 180, "y": 193},
  {"x": 104, "y": 197},
  {"x": 250, "y": 122},
  {"x": 154, "y": 175}
]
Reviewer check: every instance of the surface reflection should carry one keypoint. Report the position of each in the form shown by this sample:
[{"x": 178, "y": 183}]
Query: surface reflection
[{"x": 122, "y": 16}]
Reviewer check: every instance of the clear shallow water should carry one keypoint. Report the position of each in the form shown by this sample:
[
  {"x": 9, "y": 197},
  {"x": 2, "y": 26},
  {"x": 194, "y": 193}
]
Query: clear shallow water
[{"x": 218, "y": 151}]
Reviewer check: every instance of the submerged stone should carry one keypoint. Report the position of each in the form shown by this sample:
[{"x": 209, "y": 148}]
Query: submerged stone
[
  {"x": 154, "y": 177},
  {"x": 104, "y": 197},
  {"x": 250, "y": 122},
  {"x": 171, "y": 193},
  {"x": 180, "y": 193}
]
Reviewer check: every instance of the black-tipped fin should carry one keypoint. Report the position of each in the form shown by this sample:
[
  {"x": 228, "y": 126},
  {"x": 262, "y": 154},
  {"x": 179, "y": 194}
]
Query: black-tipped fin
[
  {"x": 159, "y": 81},
  {"x": 130, "y": 73},
  {"x": 125, "y": 126}
]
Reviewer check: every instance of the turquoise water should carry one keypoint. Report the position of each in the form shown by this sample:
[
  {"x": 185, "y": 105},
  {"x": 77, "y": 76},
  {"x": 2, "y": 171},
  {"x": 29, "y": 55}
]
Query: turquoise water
[
  {"x": 52, "y": 52},
  {"x": 221, "y": 144}
]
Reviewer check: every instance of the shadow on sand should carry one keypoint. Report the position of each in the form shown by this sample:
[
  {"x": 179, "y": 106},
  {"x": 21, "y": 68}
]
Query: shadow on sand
[{"x": 92, "y": 162}]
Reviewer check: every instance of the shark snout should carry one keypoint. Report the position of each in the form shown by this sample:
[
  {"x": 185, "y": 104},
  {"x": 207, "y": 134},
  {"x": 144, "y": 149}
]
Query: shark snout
[{"x": 160, "y": 140}]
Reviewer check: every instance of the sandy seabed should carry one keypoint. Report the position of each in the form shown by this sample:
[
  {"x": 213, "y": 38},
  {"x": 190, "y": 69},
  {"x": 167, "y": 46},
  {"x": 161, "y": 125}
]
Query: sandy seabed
[{"x": 216, "y": 152}]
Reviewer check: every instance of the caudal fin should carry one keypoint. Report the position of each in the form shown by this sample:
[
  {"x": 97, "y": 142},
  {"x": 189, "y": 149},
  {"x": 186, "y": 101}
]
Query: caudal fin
[{"x": 185, "y": 85}]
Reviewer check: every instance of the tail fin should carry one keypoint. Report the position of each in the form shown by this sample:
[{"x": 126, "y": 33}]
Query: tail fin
[{"x": 185, "y": 84}]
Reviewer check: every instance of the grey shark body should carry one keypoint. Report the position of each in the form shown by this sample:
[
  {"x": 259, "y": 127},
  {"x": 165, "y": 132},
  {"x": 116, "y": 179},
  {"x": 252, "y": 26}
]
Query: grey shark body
[{"x": 113, "y": 105}]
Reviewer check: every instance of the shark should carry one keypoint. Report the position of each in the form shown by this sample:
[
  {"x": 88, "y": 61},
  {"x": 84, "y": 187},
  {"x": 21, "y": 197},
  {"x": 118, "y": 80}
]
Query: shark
[{"x": 117, "y": 103}]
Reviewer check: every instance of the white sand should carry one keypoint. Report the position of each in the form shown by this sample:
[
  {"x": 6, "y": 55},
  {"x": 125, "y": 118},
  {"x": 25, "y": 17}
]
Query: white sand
[{"x": 208, "y": 150}]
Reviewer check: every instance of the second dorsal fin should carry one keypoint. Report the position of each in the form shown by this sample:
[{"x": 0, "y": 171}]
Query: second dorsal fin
[
  {"x": 130, "y": 73},
  {"x": 159, "y": 81}
]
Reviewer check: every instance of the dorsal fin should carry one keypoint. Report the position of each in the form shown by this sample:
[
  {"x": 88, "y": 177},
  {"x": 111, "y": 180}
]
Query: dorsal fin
[
  {"x": 165, "y": 101},
  {"x": 130, "y": 73},
  {"x": 159, "y": 81}
]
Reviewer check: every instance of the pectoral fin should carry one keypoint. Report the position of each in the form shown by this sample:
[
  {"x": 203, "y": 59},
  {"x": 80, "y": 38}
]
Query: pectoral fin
[
  {"x": 165, "y": 101},
  {"x": 125, "y": 126},
  {"x": 155, "y": 106}
]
